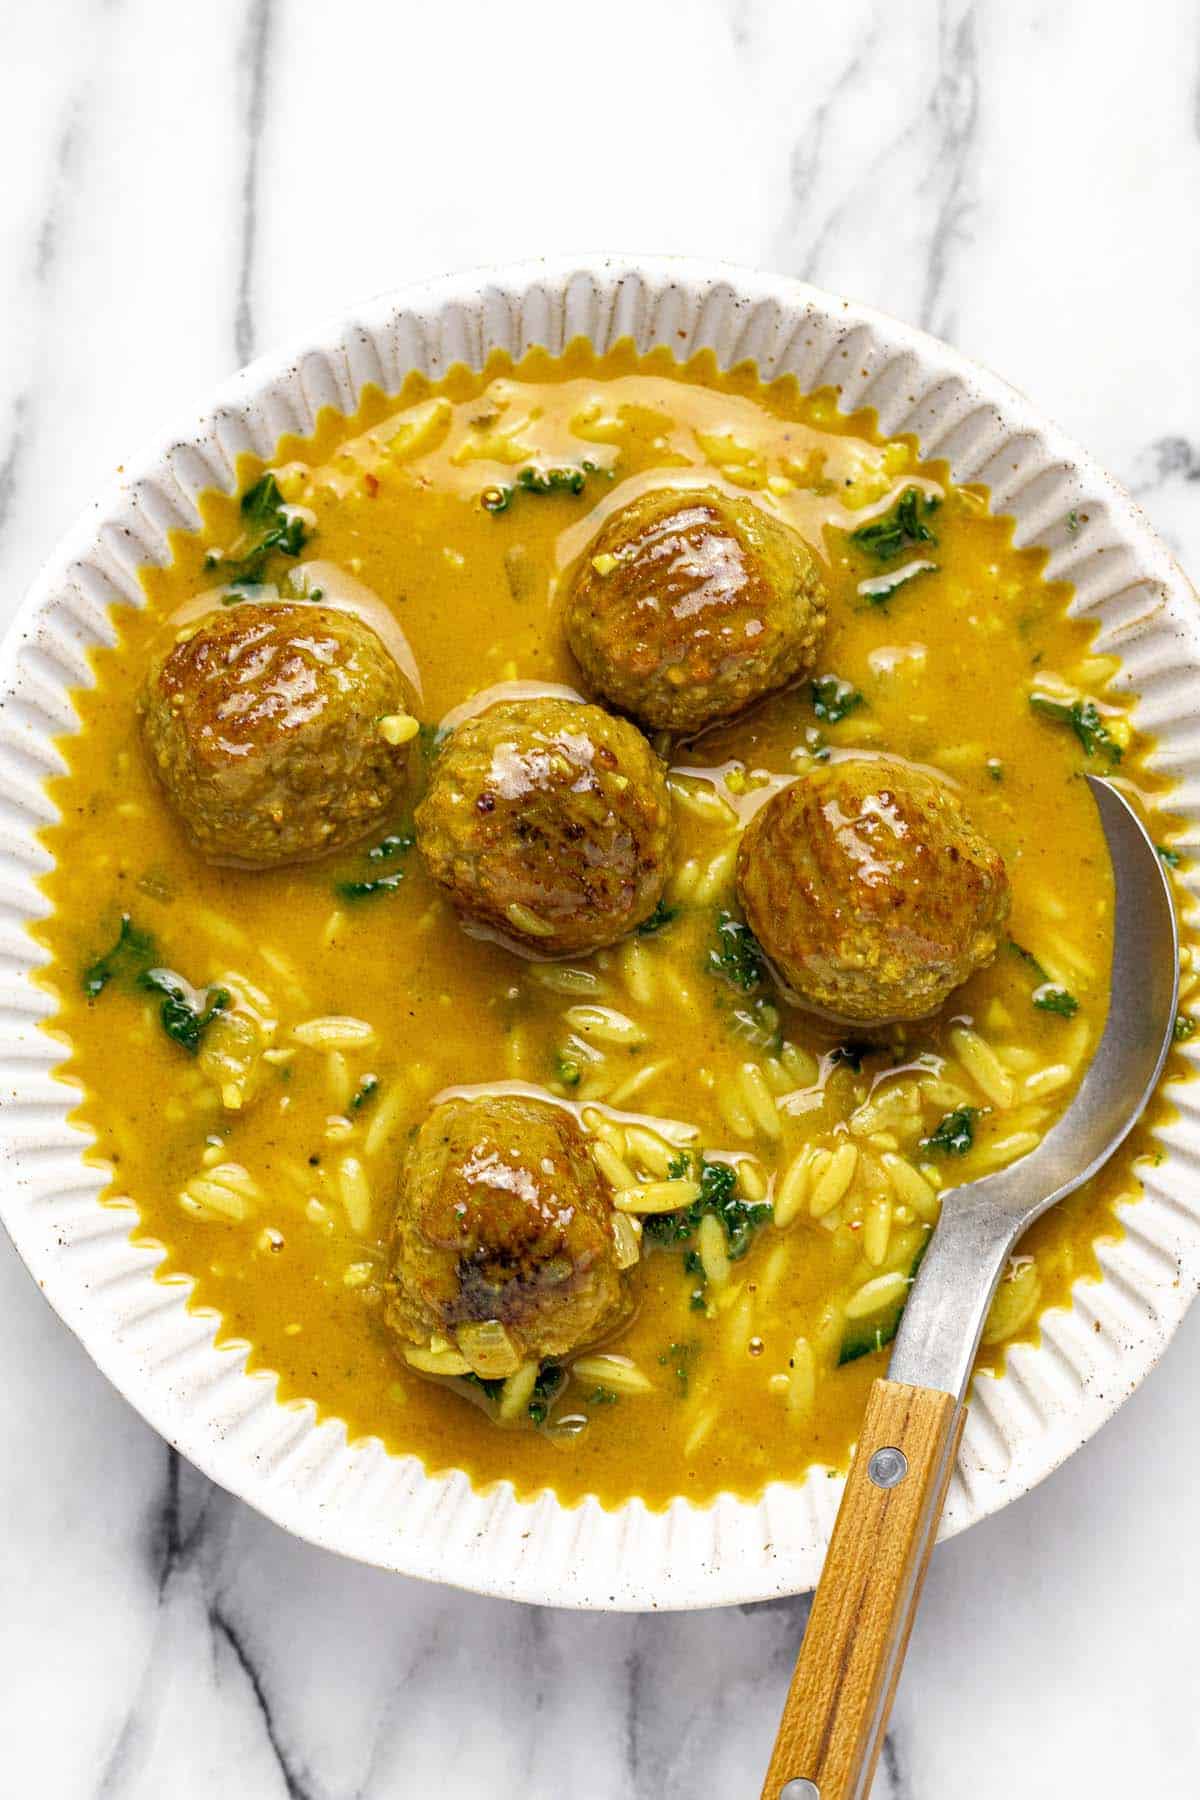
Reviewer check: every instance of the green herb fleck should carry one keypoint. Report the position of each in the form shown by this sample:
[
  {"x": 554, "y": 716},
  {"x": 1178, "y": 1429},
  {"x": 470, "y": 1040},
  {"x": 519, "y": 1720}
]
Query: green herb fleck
[
  {"x": 1083, "y": 716},
  {"x": 879, "y": 589},
  {"x": 1184, "y": 1028},
  {"x": 185, "y": 1015},
  {"x": 863, "y": 1337},
  {"x": 568, "y": 1071},
  {"x": 677, "y": 1357},
  {"x": 431, "y": 738},
  {"x": 367, "y": 1089},
  {"x": 132, "y": 952},
  {"x": 261, "y": 502},
  {"x": 569, "y": 480},
  {"x": 363, "y": 890},
  {"x": 555, "y": 481},
  {"x": 954, "y": 1135},
  {"x": 659, "y": 919},
  {"x": 282, "y": 531},
  {"x": 900, "y": 529},
  {"x": 1028, "y": 958},
  {"x": 995, "y": 768},
  {"x": 737, "y": 957},
  {"x": 551, "y": 1380},
  {"x": 602, "y": 1396},
  {"x": 397, "y": 843},
  {"x": 492, "y": 1385},
  {"x": 833, "y": 699},
  {"x": 1170, "y": 857},
  {"x": 1048, "y": 996},
  {"x": 1052, "y": 999},
  {"x": 718, "y": 1195},
  {"x": 1072, "y": 521}
]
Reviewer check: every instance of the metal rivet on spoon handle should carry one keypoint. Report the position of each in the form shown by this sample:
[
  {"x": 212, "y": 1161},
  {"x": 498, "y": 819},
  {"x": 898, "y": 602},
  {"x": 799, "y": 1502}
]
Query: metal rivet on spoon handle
[
  {"x": 841, "y": 1694},
  {"x": 888, "y": 1467}
]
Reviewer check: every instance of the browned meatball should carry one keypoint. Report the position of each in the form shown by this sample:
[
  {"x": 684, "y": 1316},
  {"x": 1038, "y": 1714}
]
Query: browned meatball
[
  {"x": 688, "y": 606},
  {"x": 548, "y": 820},
  {"x": 279, "y": 732},
  {"x": 502, "y": 1243},
  {"x": 870, "y": 892}
]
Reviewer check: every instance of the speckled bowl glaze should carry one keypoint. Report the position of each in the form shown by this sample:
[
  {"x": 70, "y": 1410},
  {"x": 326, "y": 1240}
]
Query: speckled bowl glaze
[{"x": 355, "y": 1497}]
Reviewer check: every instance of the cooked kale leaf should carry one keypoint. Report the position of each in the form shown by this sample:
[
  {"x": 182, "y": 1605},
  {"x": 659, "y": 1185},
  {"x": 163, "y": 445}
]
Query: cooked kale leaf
[
  {"x": 659, "y": 919},
  {"x": 1052, "y": 999},
  {"x": 132, "y": 952},
  {"x": 718, "y": 1195},
  {"x": 397, "y": 843},
  {"x": 280, "y": 530},
  {"x": 569, "y": 480},
  {"x": 863, "y": 1337},
  {"x": 376, "y": 884},
  {"x": 1083, "y": 716},
  {"x": 954, "y": 1135},
  {"x": 555, "y": 481},
  {"x": 737, "y": 958},
  {"x": 900, "y": 529},
  {"x": 1048, "y": 996},
  {"x": 185, "y": 1013},
  {"x": 878, "y": 589},
  {"x": 834, "y": 698},
  {"x": 551, "y": 1379}
]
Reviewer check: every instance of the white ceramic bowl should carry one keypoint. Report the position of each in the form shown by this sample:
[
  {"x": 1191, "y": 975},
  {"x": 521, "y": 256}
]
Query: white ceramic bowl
[{"x": 355, "y": 1497}]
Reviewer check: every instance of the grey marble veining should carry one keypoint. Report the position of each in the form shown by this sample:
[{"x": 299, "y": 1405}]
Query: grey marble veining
[{"x": 186, "y": 186}]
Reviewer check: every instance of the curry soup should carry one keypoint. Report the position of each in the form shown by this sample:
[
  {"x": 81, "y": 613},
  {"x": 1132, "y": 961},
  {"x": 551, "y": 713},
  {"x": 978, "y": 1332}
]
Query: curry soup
[{"x": 261, "y": 1143}]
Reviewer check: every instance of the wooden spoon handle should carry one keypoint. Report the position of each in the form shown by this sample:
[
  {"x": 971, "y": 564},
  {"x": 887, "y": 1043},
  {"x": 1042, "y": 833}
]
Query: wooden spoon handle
[{"x": 841, "y": 1694}]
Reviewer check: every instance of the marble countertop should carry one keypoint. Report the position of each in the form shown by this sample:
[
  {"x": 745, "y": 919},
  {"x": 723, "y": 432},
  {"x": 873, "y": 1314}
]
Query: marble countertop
[{"x": 185, "y": 186}]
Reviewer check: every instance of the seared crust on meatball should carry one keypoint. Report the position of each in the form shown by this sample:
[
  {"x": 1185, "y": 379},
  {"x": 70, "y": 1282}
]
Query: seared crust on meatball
[
  {"x": 264, "y": 727},
  {"x": 503, "y": 1221},
  {"x": 688, "y": 606},
  {"x": 548, "y": 820},
  {"x": 870, "y": 892}
]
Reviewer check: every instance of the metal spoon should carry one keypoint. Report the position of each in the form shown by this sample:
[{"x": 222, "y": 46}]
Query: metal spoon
[{"x": 841, "y": 1694}]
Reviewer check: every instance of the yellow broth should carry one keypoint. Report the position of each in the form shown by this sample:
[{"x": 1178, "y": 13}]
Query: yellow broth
[{"x": 745, "y": 1381}]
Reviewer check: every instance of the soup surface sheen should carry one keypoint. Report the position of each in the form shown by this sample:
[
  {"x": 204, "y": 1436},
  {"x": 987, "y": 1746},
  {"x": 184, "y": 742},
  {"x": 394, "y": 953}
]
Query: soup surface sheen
[{"x": 266, "y": 1165}]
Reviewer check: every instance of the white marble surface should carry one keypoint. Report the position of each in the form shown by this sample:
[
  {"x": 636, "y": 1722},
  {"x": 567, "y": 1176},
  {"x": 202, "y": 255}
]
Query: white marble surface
[{"x": 184, "y": 186}]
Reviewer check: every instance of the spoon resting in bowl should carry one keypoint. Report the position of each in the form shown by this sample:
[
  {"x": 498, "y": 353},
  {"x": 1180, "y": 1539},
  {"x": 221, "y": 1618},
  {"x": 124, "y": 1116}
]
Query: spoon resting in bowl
[{"x": 862, "y": 1614}]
